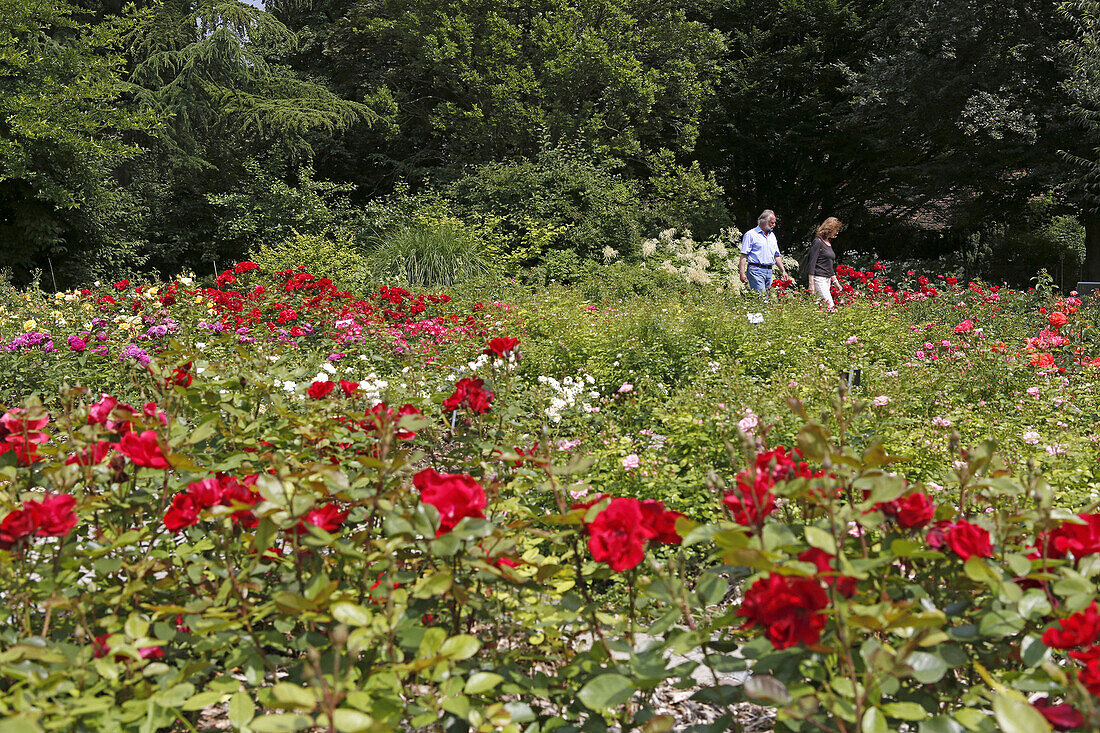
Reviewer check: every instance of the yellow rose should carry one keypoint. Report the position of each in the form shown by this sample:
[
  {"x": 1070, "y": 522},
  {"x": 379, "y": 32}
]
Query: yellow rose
[{"x": 29, "y": 325}]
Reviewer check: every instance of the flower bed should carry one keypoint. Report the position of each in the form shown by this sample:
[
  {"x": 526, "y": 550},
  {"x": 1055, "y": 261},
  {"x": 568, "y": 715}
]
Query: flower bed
[{"x": 403, "y": 509}]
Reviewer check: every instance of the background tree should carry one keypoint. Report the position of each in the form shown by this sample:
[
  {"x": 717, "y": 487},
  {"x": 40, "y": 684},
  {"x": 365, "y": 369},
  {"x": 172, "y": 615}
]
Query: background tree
[
  {"x": 958, "y": 111},
  {"x": 201, "y": 66},
  {"x": 1083, "y": 87},
  {"x": 62, "y": 131},
  {"x": 473, "y": 81}
]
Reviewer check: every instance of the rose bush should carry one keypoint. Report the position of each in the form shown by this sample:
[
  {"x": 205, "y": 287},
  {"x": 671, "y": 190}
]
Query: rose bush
[{"x": 533, "y": 516}]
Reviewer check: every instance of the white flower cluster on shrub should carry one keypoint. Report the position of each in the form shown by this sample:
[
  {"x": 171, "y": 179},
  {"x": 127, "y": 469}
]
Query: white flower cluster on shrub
[
  {"x": 713, "y": 262},
  {"x": 567, "y": 393}
]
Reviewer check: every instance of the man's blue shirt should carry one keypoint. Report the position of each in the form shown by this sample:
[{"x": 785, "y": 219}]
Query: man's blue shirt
[{"x": 760, "y": 248}]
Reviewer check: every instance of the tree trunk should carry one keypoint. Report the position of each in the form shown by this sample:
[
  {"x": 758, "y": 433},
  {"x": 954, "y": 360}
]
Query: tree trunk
[{"x": 1091, "y": 267}]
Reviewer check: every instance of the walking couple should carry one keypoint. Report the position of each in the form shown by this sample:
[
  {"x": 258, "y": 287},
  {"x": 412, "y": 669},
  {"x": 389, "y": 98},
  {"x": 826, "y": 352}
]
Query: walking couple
[{"x": 760, "y": 254}]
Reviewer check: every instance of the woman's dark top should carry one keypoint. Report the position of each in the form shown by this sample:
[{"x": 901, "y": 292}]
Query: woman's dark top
[{"x": 822, "y": 259}]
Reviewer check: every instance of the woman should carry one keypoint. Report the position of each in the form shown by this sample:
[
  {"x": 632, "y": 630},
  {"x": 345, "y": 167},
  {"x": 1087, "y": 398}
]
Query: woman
[{"x": 822, "y": 263}]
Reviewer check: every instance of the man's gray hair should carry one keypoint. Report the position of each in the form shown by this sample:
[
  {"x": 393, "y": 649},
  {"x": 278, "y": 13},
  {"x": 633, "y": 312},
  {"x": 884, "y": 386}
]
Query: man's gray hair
[{"x": 764, "y": 216}]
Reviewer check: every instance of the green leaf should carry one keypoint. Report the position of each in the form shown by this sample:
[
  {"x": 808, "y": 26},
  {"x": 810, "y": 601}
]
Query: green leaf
[
  {"x": 174, "y": 697},
  {"x": 821, "y": 539},
  {"x": 241, "y": 710},
  {"x": 480, "y": 682},
  {"x": 460, "y": 647},
  {"x": 927, "y": 668},
  {"x": 351, "y": 614},
  {"x": 813, "y": 441},
  {"x": 203, "y": 431},
  {"x": 1000, "y": 622},
  {"x": 1018, "y": 564},
  {"x": 972, "y": 719},
  {"x": 351, "y": 721},
  {"x": 299, "y": 697},
  {"x": 940, "y": 724},
  {"x": 711, "y": 589},
  {"x": 1018, "y": 716},
  {"x": 905, "y": 710},
  {"x": 432, "y": 585},
  {"x": 459, "y": 705},
  {"x": 873, "y": 721},
  {"x": 280, "y": 723},
  {"x": 978, "y": 570},
  {"x": 606, "y": 691},
  {"x": 202, "y": 700},
  {"x": 767, "y": 689}
]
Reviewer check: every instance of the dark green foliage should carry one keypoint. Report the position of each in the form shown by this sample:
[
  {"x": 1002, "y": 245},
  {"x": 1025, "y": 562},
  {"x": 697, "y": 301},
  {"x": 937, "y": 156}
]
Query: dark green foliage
[
  {"x": 183, "y": 133},
  {"x": 579, "y": 204},
  {"x": 264, "y": 208},
  {"x": 477, "y": 81},
  {"x": 960, "y": 106},
  {"x": 200, "y": 65},
  {"x": 62, "y": 131}
]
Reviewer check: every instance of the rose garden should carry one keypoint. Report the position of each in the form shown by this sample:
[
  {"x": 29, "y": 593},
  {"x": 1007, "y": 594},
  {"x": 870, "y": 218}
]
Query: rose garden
[{"x": 270, "y": 504}]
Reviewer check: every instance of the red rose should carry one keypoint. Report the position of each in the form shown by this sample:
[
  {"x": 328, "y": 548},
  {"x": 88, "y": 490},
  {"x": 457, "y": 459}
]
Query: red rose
[
  {"x": 845, "y": 584},
  {"x": 348, "y": 388},
  {"x": 1057, "y": 319},
  {"x": 239, "y": 493},
  {"x": 751, "y": 501},
  {"x": 454, "y": 495},
  {"x": 1060, "y": 717},
  {"x": 22, "y": 434},
  {"x": 92, "y": 455},
  {"x": 328, "y": 517},
  {"x": 17, "y": 525},
  {"x": 382, "y": 418},
  {"x": 1070, "y": 538},
  {"x": 480, "y": 401},
  {"x": 618, "y": 534},
  {"x": 246, "y": 266},
  {"x": 54, "y": 514},
  {"x": 967, "y": 540},
  {"x": 317, "y": 390},
  {"x": 183, "y": 512},
  {"x": 912, "y": 511},
  {"x": 1080, "y": 629},
  {"x": 99, "y": 412},
  {"x": 471, "y": 393},
  {"x": 143, "y": 449},
  {"x": 1090, "y": 676},
  {"x": 788, "y": 609},
  {"x": 660, "y": 522},
  {"x": 122, "y": 284},
  {"x": 501, "y": 346},
  {"x": 181, "y": 376},
  {"x": 151, "y": 410},
  {"x": 1042, "y": 361}
]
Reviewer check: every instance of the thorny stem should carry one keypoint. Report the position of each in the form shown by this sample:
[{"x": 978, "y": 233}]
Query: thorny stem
[
  {"x": 246, "y": 611},
  {"x": 845, "y": 650}
]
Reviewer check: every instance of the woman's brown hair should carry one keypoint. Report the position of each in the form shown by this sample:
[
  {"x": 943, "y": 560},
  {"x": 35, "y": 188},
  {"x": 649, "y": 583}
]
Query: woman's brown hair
[{"x": 829, "y": 228}]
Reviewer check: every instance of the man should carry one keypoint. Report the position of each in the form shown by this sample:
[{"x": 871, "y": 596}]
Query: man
[{"x": 760, "y": 253}]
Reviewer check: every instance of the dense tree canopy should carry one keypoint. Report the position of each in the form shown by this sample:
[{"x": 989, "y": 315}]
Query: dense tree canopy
[
  {"x": 62, "y": 132},
  {"x": 155, "y": 133}
]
